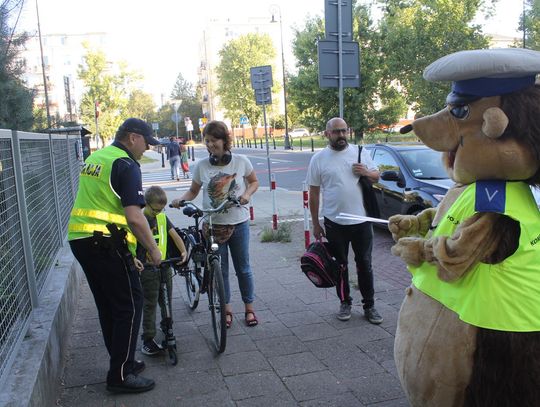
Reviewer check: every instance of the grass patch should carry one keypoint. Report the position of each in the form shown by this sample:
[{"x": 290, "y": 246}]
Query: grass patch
[
  {"x": 282, "y": 234},
  {"x": 146, "y": 160}
]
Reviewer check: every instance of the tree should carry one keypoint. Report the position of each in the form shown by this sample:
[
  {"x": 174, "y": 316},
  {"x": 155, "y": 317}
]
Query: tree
[
  {"x": 141, "y": 104},
  {"x": 531, "y": 21},
  {"x": 108, "y": 88},
  {"x": 16, "y": 99},
  {"x": 318, "y": 105},
  {"x": 418, "y": 32},
  {"x": 233, "y": 73},
  {"x": 191, "y": 107}
]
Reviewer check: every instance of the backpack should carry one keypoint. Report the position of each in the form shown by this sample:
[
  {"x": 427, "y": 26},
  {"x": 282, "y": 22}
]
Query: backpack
[{"x": 319, "y": 265}]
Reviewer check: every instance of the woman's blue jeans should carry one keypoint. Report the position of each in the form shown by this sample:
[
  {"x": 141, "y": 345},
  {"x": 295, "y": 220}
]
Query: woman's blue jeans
[
  {"x": 175, "y": 166},
  {"x": 238, "y": 245}
]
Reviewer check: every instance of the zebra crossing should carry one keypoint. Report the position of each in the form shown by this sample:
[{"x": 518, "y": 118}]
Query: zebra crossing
[{"x": 162, "y": 178}]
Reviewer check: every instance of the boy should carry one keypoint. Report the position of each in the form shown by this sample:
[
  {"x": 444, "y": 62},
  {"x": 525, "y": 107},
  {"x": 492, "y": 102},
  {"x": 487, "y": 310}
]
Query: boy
[{"x": 156, "y": 199}]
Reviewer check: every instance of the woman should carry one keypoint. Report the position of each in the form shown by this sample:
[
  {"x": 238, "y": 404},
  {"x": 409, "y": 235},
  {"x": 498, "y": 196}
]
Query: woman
[{"x": 225, "y": 175}]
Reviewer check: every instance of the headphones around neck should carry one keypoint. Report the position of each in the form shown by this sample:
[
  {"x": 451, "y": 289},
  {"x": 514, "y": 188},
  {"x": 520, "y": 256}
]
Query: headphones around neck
[{"x": 224, "y": 160}]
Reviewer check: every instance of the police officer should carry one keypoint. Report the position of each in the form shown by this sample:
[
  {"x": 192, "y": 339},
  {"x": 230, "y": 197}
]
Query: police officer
[{"x": 110, "y": 192}]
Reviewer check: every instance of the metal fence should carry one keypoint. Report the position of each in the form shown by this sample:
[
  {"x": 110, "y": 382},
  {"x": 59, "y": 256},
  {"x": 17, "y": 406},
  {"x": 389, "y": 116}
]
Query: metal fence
[{"x": 39, "y": 176}]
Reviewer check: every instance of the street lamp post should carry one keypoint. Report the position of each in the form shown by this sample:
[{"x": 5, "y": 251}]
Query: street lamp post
[{"x": 273, "y": 9}]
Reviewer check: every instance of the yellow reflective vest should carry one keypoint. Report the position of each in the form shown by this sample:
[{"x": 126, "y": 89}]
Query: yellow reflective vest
[
  {"x": 503, "y": 296},
  {"x": 161, "y": 236},
  {"x": 97, "y": 204}
]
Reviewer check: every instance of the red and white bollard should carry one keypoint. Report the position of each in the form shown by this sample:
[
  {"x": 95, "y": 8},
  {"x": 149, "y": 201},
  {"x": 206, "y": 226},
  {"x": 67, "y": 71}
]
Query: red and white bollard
[
  {"x": 306, "y": 214},
  {"x": 274, "y": 207}
]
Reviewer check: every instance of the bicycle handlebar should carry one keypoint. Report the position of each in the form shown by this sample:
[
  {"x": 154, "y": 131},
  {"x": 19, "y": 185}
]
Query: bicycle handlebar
[
  {"x": 201, "y": 211},
  {"x": 165, "y": 263}
]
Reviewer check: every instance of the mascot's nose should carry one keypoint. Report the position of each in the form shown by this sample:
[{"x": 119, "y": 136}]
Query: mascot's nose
[{"x": 406, "y": 129}]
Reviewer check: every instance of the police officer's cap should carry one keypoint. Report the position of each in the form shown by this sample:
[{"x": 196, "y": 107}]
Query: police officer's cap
[
  {"x": 134, "y": 125},
  {"x": 485, "y": 72}
]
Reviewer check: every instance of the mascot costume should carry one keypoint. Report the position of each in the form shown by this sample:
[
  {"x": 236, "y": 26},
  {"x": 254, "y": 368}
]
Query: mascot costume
[{"x": 469, "y": 327}]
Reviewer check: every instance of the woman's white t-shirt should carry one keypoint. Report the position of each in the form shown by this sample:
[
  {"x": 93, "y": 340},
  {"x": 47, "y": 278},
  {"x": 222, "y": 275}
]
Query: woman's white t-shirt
[{"x": 220, "y": 182}]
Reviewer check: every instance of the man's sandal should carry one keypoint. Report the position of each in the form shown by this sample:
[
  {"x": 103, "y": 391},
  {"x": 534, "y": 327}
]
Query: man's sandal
[
  {"x": 228, "y": 319},
  {"x": 252, "y": 321}
]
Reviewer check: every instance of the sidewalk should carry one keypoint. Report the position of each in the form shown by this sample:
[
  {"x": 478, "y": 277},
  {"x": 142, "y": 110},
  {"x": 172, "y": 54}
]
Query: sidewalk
[{"x": 298, "y": 355}]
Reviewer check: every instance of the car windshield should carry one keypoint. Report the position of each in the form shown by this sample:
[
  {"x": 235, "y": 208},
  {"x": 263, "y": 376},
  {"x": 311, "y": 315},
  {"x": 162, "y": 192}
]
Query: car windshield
[{"x": 424, "y": 164}]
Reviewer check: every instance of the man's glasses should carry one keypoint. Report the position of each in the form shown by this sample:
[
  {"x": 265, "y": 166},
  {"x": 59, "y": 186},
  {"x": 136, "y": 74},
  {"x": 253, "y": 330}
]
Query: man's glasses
[{"x": 339, "y": 131}]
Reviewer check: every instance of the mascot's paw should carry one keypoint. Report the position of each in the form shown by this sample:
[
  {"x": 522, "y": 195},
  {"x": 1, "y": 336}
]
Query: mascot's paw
[
  {"x": 403, "y": 225},
  {"x": 410, "y": 249}
]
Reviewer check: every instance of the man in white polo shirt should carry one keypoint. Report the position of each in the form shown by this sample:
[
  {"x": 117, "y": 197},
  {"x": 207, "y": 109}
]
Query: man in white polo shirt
[{"x": 335, "y": 170}]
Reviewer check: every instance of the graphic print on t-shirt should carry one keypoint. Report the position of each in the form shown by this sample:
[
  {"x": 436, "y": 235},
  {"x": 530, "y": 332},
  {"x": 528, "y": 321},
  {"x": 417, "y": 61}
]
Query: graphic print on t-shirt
[{"x": 220, "y": 187}]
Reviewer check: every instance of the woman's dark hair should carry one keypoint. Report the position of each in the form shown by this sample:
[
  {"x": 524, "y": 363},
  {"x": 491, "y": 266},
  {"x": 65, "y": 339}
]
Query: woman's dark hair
[{"x": 219, "y": 130}]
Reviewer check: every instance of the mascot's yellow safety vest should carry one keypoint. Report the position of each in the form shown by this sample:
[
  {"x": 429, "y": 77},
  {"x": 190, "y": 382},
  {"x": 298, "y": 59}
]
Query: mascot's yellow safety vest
[
  {"x": 503, "y": 296},
  {"x": 161, "y": 236},
  {"x": 97, "y": 204}
]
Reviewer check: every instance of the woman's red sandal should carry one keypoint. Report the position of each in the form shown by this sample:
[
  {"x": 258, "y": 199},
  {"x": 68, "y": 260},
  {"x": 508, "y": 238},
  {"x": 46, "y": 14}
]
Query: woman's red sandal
[{"x": 252, "y": 321}]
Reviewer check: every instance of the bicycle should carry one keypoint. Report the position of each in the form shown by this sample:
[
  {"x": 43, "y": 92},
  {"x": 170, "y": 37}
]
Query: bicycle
[
  {"x": 202, "y": 271},
  {"x": 169, "y": 341}
]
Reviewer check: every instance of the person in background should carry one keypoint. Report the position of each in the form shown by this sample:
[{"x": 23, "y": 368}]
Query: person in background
[
  {"x": 225, "y": 175},
  {"x": 162, "y": 229},
  {"x": 184, "y": 160},
  {"x": 336, "y": 171},
  {"x": 173, "y": 154},
  {"x": 110, "y": 192}
]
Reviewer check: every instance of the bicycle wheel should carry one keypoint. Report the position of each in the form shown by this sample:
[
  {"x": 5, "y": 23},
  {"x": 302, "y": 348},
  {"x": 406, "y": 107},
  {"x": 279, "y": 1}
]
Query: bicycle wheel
[
  {"x": 216, "y": 300},
  {"x": 193, "y": 286}
]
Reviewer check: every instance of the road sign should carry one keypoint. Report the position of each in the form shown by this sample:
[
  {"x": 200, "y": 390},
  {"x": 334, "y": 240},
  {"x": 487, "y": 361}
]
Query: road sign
[
  {"x": 244, "y": 120},
  {"x": 328, "y": 64},
  {"x": 175, "y": 117},
  {"x": 263, "y": 96},
  {"x": 331, "y": 20},
  {"x": 261, "y": 77},
  {"x": 155, "y": 126}
]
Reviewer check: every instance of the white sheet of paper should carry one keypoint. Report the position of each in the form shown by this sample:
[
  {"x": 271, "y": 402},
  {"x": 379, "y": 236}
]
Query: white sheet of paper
[{"x": 350, "y": 216}]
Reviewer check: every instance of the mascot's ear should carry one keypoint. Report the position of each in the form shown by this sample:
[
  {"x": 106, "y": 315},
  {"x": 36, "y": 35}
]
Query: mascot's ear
[{"x": 495, "y": 122}]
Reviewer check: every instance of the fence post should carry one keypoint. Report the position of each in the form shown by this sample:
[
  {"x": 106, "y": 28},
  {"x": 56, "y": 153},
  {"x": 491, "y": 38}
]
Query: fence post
[
  {"x": 300, "y": 144},
  {"x": 312, "y": 146},
  {"x": 55, "y": 189},
  {"x": 192, "y": 153},
  {"x": 261, "y": 144},
  {"x": 188, "y": 152},
  {"x": 23, "y": 217},
  {"x": 274, "y": 207},
  {"x": 274, "y": 141},
  {"x": 305, "y": 198}
]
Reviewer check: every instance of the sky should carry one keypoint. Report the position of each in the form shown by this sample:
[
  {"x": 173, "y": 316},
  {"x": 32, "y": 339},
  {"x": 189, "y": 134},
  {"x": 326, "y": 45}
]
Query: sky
[{"x": 160, "y": 38}]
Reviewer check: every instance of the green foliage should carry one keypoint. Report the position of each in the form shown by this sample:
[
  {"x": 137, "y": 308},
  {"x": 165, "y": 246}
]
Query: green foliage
[
  {"x": 234, "y": 85},
  {"x": 531, "y": 22},
  {"x": 282, "y": 234},
  {"x": 416, "y": 33},
  {"x": 318, "y": 105},
  {"x": 15, "y": 98},
  {"x": 110, "y": 89},
  {"x": 191, "y": 107},
  {"x": 141, "y": 104},
  {"x": 278, "y": 121}
]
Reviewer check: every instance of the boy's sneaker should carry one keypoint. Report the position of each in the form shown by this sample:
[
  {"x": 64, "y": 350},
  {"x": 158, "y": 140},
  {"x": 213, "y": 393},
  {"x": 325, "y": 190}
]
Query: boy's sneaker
[
  {"x": 150, "y": 348},
  {"x": 373, "y": 316},
  {"x": 344, "y": 313}
]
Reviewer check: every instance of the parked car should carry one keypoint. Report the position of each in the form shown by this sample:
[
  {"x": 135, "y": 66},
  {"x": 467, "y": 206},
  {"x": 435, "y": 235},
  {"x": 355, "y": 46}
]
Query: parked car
[
  {"x": 412, "y": 179},
  {"x": 299, "y": 133}
]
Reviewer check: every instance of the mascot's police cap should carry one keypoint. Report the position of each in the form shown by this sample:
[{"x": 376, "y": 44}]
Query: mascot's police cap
[{"x": 485, "y": 72}]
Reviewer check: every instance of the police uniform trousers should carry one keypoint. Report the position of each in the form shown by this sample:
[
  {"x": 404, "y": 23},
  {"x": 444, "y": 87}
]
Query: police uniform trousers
[{"x": 118, "y": 295}]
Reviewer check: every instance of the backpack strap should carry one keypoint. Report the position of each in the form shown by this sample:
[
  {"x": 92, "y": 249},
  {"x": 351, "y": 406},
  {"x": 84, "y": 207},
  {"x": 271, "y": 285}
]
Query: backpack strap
[{"x": 359, "y": 154}]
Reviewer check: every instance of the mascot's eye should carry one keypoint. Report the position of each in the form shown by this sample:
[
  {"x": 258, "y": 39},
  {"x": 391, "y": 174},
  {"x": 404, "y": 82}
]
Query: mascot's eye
[{"x": 459, "y": 111}]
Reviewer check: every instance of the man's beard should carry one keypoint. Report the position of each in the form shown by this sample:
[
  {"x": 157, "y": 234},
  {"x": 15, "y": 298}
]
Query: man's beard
[{"x": 339, "y": 144}]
